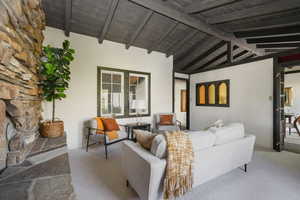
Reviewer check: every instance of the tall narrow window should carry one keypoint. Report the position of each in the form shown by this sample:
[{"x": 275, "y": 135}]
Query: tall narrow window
[
  {"x": 223, "y": 94},
  {"x": 212, "y": 94},
  {"x": 201, "y": 95},
  {"x": 112, "y": 93}
]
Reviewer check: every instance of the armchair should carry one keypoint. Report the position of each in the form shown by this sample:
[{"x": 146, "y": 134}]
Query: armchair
[
  {"x": 176, "y": 126},
  {"x": 93, "y": 130}
]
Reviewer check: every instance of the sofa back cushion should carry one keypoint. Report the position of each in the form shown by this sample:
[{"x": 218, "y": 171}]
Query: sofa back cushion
[
  {"x": 159, "y": 146},
  {"x": 202, "y": 139},
  {"x": 228, "y": 133}
]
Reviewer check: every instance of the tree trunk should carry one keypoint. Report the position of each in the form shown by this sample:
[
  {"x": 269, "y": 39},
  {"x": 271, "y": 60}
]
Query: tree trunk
[{"x": 53, "y": 110}]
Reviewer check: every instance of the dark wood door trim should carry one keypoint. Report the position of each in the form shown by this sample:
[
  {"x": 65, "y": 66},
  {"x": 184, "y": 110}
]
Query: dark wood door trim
[{"x": 188, "y": 98}]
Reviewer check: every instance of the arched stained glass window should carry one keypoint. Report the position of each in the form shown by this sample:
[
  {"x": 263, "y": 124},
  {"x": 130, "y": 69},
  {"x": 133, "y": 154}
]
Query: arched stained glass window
[
  {"x": 201, "y": 94},
  {"x": 212, "y": 94},
  {"x": 223, "y": 94}
]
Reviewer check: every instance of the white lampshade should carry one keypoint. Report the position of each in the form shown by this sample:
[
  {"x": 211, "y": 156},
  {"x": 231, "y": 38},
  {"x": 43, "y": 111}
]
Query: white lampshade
[{"x": 138, "y": 104}]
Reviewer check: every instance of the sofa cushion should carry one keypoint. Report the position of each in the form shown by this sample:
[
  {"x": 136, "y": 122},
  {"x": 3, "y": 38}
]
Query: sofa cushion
[
  {"x": 144, "y": 138},
  {"x": 159, "y": 146},
  {"x": 228, "y": 133},
  {"x": 202, "y": 139}
]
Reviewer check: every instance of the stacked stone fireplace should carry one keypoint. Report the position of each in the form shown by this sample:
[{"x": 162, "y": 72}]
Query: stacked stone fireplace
[{"x": 21, "y": 38}]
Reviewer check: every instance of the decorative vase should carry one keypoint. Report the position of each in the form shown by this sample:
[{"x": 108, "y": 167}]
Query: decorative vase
[{"x": 52, "y": 129}]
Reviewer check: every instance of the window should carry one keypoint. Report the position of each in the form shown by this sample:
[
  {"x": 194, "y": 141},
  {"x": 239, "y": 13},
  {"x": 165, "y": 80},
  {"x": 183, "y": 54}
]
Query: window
[
  {"x": 214, "y": 93},
  {"x": 123, "y": 93},
  {"x": 138, "y": 94}
]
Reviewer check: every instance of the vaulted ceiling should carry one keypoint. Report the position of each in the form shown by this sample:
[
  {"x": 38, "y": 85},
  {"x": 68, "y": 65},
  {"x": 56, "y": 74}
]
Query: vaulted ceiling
[{"x": 201, "y": 34}]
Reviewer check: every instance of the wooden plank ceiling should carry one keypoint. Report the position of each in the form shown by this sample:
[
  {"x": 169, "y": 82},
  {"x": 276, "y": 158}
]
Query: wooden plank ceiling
[{"x": 201, "y": 34}]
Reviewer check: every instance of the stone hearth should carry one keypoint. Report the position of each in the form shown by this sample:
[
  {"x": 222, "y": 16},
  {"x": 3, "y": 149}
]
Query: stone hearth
[
  {"x": 44, "y": 175},
  {"x": 21, "y": 36}
]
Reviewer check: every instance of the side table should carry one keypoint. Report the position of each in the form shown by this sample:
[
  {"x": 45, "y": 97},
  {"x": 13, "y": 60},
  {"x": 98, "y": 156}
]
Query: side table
[{"x": 131, "y": 126}]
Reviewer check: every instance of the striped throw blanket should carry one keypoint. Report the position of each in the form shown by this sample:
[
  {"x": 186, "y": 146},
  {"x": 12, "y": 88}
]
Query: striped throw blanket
[{"x": 179, "y": 176}]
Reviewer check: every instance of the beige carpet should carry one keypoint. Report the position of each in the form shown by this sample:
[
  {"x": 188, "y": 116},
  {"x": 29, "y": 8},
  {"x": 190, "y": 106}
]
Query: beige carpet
[{"x": 271, "y": 176}]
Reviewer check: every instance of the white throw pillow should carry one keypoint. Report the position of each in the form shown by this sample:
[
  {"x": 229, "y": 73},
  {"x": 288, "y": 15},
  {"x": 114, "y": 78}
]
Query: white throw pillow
[
  {"x": 159, "y": 146},
  {"x": 217, "y": 124},
  {"x": 229, "y": 133}
]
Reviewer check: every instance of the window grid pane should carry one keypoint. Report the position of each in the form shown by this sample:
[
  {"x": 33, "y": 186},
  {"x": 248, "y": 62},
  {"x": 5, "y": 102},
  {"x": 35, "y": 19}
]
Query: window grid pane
[
  {"x": 201, "y": 94},
  {"x": 111, "y": 94},
  {"x": 223, "y": 93},
  {"x": 212, "y": 94}
]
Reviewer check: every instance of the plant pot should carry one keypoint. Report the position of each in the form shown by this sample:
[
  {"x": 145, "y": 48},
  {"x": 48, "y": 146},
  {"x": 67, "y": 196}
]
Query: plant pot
[{"x": 52, "y": 129}]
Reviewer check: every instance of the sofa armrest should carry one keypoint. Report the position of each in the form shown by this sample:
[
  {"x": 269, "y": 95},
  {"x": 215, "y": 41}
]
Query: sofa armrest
[{"x": 144, "y": 171}]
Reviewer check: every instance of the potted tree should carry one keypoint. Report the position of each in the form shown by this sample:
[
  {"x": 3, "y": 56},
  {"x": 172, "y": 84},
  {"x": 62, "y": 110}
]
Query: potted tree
[{"x": 55, "y": 77}]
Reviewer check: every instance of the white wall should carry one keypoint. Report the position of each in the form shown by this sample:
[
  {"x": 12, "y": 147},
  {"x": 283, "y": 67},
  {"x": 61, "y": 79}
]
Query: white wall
[
  {"x": 81, "y": 102},
  {"x": 179, "y": 85},
  {"x": 251, "y": 93},
  {"x": 293, "y": 80}
]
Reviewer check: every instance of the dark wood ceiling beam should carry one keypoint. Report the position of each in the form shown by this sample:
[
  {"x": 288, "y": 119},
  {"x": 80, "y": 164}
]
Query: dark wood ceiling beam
[
  {"x": 221, "y": 62},
  {"x": 204, "y": 5},
  {"x": 68, "y": 17},
  {"x": 139, "y": 29},
  {"x": 286, "y": 18},
  {"x": 248, "y": 57},
  {"x": 176, "y": 14},
  {"x": 254, "y": 58},
  {"x": 243, "y": 57},
  {"x": 286, "y": 30},
  {"x": 229, "y": 52},
  {"x": 170, "y": 30},
  {"x": 292, "y": 38},
  {"x": 213, "y": 60},
  {"x": 203, "y": 55},
  {"x": 235, "y": 57},
  {"x": 181, "y": 42},
  {"x": 263, "y": 9},
  {"x": 277, "y": 50},
  {"x": 220, "y": 58},
  {"x": 280, "y": 45},
  {"x": 109, "y": 17}
]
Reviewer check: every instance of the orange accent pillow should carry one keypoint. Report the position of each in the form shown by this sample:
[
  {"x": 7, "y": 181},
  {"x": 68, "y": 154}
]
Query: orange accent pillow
[
  {"x": 166, "y": 120},
  {"x": 99, "y": 123},
  {"x": 110, "y": 124}
]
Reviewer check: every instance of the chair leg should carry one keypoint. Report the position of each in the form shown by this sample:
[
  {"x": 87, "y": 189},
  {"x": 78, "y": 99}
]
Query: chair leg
[
  {"x": 245, "y": 167},
  {"x": 88, "y": 141},
  {"x": 105, "y": 146},
  {"x": 105, "y": 151}
]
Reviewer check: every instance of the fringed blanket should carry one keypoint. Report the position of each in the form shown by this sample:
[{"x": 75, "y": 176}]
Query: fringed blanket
[{"x": 179, "y": 176}]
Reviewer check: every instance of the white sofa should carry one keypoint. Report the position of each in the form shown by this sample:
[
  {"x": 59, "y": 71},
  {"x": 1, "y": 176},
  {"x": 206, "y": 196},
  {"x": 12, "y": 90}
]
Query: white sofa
[{"x": 217, "y": 152}]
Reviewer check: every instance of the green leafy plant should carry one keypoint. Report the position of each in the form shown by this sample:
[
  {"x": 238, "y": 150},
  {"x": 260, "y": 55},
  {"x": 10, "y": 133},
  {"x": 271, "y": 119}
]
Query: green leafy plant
[{"x": 55, "y": 72}]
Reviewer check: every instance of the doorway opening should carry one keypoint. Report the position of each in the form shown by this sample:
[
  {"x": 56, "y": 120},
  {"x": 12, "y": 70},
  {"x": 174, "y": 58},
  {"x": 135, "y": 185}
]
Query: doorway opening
[
  {"x": 292, "y": 108},
  {"x": 287, "y": 103},
  {"x": 181, "y": 101}
]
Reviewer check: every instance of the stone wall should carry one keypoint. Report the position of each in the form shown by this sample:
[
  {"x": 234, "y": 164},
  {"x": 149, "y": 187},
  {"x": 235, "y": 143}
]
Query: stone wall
[{"x": 21, "y": 36}]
